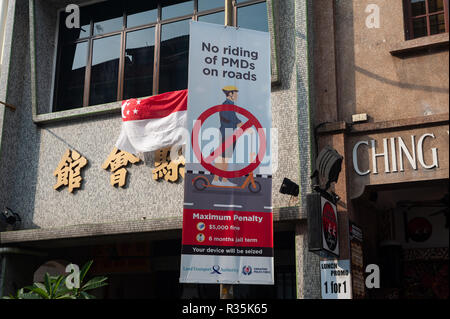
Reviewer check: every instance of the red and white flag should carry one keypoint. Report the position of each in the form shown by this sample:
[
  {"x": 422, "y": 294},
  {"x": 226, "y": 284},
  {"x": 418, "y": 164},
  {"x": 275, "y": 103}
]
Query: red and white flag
[{"x": 153, "y": 123}]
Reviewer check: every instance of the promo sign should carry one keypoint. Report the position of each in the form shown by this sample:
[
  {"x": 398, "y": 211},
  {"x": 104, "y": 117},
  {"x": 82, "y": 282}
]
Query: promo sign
[
  {"x": 227, "y": 217},
  {"x": 335, "y": 279},
  {"x": 330, "y": 239}
]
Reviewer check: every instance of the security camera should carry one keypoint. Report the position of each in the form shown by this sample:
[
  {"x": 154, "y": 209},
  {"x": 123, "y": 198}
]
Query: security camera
[
  {"x": 289, "y": 188},
  {"x": 10, "y": 217},
  {"x": 328, "y": 166}
]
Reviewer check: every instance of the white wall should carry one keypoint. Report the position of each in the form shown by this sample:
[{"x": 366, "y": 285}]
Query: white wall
[{"x": 3, "y": 11}]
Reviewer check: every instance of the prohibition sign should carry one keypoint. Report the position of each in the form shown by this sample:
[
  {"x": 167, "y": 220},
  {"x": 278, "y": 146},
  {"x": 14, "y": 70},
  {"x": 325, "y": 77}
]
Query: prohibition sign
[
  {"x": 329, "y": 225},
  {"x": 252, "y": 121}
]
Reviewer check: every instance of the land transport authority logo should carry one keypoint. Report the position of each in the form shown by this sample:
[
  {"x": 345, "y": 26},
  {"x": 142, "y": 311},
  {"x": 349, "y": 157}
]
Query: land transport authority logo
[
  {"x": 217, "y": 270},
  {"x": 247, "y": 270}
]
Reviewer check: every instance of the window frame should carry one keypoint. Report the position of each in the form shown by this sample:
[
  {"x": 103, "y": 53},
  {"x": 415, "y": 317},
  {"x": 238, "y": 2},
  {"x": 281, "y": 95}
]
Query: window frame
[
  {"x": 409, "y": 18},
  {"x": 123, "y": 34}
]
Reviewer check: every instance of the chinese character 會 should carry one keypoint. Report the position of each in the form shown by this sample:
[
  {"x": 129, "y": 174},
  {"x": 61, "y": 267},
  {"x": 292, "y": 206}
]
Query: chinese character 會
[{"x": 117, "y": 160}]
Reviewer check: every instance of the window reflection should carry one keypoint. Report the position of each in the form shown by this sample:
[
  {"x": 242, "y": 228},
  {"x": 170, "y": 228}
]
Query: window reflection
[
  {"x": 437, "y": 23},
  {"x": 105, "y": 33},
  {"x": 72, "y": 75},
  {"x": 174, "y": 56},
  {"x": 105, "y": 70},
  {"x": 253, "y": 17},
  {"x": 420, "y": 27},
  {"x": 418, "y": 7},
  {"x": 435, "y": 5},
  {"x": 209, "y": 4},
  {"x": 141, "y": 13},
  {"x": 107, "y": 18},
  {"x": 176, "y": 8},
  {"x": 139, "y": 59},
  {"x": 218, "y": 18}
]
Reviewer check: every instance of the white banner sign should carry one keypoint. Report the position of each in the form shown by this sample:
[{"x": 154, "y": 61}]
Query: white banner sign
[{"x": 227, "y": 215}]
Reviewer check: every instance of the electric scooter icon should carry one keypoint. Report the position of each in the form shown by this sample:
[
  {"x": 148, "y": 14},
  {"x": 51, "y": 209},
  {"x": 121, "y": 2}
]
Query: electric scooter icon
[{"x": 201, "y": 182}]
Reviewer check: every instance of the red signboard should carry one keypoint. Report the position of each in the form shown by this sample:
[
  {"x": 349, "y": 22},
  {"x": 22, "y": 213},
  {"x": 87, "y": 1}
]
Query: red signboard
[{"x": 330, "y": 237}]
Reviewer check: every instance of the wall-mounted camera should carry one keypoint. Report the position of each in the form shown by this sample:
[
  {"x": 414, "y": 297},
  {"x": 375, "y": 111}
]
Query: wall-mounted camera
[{"x": 9, "y": 217}]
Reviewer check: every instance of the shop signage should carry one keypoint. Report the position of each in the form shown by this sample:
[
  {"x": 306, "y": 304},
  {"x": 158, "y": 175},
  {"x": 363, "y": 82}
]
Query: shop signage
[
  {"x": 166, "y": 168},
  {"x": 323, "y": 230},
  {"x": 357, "y": 261},
  {"x": 397, "y": 153},
  {"x": 68, "y": 172},
  {"x": 227, "y": 217},
  {"x": 330, "y": 240},
  {"x": 117, "y": 162},
  {"x": 335, "y": 279}
]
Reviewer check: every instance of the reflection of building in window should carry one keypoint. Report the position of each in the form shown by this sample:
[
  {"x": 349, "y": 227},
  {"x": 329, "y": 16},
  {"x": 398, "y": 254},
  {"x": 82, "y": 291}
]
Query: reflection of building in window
[
  {"x": 425, "y": 17},
  {"x": 128, "y": 49}
]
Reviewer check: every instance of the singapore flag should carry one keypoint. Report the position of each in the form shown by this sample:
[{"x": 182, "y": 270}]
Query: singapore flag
[{"x": 153, "y": 123}]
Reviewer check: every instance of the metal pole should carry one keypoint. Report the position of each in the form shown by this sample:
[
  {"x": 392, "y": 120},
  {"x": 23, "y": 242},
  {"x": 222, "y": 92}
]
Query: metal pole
[
  {"x": 229, "y": 13},
  {"x": 12, "y": 107},
  {"x": 226, "y": 290}
]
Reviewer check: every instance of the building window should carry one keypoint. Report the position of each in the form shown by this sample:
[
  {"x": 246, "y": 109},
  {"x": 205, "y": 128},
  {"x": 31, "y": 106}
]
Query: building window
[
  {"x": 425, "y": 17},
  {"x": 132, "y": 49}
]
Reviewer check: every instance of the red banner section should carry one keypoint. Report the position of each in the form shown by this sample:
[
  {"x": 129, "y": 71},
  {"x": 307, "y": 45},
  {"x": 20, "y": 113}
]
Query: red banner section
[{"x": 227, "y": 228}]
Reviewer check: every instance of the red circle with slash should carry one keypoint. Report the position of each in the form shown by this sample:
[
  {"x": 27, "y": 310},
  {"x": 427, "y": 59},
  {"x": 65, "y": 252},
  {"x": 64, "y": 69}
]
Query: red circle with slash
[{"x": 252, "y": 121}]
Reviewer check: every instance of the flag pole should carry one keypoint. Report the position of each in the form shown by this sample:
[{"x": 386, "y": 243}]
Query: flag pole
[
  {"x": 226, "y": 290},
  {"x": 12, "y": 107}
]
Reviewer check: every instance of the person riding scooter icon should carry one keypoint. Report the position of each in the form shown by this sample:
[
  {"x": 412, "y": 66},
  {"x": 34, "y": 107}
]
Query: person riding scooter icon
[{"x": 228, "y": 123}]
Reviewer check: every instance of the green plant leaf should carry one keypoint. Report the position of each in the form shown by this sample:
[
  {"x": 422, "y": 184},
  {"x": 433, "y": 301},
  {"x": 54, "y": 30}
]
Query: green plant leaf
[
  {"x": 26, "y": 295},
  {"x": 39, "y": 285},
  {"x": 66, "y": 296},
  {"x": 39, "y": 289},
  {"x": 85, "y": 295},
  {"x": 95, "y": 282},
  {"x": 53, "y": 287},
  {"x": 19, "y": 293},
  {"x": 63, "y": 290},
  {"x": 48, "y": 285},
  {"x": 30, "y": 296},
  {"x": 84, "y": 270},
  {"x": 58, "y": 289},
  {"x": 27, "y": 288}
]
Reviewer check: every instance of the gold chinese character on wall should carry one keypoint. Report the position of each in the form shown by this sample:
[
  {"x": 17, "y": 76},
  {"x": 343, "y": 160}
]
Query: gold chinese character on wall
[
  {"x": 167, "y": 169},
  {"x": 68, "y": 172},
  {"x": 117, "y": 161}
]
